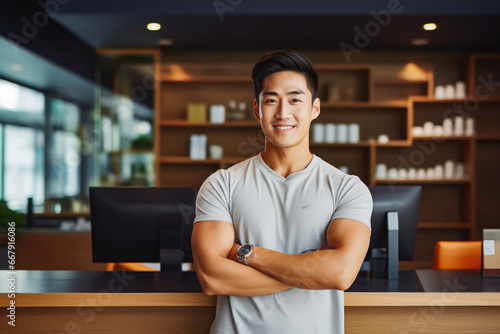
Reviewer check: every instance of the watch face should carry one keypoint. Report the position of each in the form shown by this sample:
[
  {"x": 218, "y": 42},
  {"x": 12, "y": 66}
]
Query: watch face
[{"x": 244, "y": 250}]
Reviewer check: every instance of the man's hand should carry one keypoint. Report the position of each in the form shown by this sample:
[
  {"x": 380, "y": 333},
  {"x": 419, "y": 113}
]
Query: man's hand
[{"x": 335, "y": 267}]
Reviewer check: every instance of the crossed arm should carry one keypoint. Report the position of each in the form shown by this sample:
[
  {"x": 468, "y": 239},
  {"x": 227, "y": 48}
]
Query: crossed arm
[{"x": 220, "y": 273}]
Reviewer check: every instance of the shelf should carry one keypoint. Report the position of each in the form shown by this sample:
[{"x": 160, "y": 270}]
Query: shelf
[
  {"x": 365, "y": 104},
  {"x": 131, "y": 151},
  {"x": 228, "y": 124},
  {"x": 488, "y": 136},
  {"x": 364, "y": 143},
  {"x": 396, "y": 81},
  {"x": 207, "y": 79},
  {"x": 444, "y": 225},
  {"x": 443, "y": 138},
  {"x": 423, "y": 182},
  {"x": 423, "y": 99},
  {"x": 395, "y": 143}
]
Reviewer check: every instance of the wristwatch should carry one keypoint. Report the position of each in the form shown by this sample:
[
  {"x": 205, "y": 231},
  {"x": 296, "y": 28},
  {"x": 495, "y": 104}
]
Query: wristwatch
[{"x": 243, "y": 252}]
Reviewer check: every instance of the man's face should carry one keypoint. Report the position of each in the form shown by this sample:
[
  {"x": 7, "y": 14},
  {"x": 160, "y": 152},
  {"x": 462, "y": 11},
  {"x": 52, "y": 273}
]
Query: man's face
[{"x": 285, "y": 111}]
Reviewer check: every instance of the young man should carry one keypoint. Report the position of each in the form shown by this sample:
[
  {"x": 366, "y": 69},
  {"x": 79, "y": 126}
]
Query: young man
[{"x": 279, "y": 236}]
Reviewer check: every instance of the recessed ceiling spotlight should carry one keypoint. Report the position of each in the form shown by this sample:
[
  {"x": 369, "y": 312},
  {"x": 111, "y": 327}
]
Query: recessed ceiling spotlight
[
  {"x": 16, "y": 67},
  {"x": 430, "y": 26},
  {"x": 165, "y": 41},
  {"x": 419, "y": 41},
  {"x": 153, "y": 26}
]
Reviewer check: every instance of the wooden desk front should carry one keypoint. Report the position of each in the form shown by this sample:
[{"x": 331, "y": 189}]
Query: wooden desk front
[{"x": 62, "y": 302}]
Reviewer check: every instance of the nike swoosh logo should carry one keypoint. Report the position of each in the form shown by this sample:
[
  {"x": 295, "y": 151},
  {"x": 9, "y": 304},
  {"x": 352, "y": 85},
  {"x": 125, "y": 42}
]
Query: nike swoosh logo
[{"x": 304, "y": 206}]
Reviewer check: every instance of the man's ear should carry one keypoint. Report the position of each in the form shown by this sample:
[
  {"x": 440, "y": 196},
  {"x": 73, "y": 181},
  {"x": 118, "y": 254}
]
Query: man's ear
[
  {"x": 256, "y": 111},
  {"x": 316, "y": 108}
]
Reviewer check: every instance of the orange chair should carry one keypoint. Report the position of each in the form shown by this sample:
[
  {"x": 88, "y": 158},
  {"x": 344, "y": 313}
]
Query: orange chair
[
  {"x": 127, "y": 267},
  {"x": 457, "y": 255}
]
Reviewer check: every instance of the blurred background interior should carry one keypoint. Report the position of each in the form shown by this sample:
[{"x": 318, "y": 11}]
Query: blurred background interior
[{"x": 89, "y": 96}]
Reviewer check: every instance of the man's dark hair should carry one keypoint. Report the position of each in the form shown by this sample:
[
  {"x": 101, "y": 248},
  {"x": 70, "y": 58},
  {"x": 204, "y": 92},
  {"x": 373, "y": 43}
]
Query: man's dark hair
[{"x": 284, "y": 60}]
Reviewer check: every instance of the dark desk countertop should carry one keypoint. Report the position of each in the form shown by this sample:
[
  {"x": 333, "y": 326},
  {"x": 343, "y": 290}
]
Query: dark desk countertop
[{"x": 154, "y": 282}]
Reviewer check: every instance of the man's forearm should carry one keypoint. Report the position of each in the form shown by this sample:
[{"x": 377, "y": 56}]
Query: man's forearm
[
  {"x": 234, "y": 279},
  {"x": 322, "y": 269}
]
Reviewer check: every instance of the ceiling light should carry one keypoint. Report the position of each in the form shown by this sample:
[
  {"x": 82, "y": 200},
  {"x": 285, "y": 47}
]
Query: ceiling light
[
  {"x": 165, "y": 41},
  {"x": 16, "y": 67},
  {"x": 430, "y": 26},
  {"x": 419, "y": 41},
  {"x": 153, "y": 26}
]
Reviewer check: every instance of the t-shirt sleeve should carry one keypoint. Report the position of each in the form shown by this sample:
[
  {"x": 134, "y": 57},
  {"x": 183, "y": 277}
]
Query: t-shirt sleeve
[
  {"x": 354, "y": 201},
  {"x": 212, "y": 202}
]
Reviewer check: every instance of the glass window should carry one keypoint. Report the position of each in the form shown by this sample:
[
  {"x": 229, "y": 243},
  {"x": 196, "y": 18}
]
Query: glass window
[
  {"x": 23, "y": 166},
  {"x": 20, "y": 99},
  {"x": 64, "y": 151},
  {"x": 23, "y": 120}
]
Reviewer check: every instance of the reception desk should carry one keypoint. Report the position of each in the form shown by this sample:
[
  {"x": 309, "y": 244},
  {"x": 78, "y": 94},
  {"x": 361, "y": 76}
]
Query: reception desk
[{"x": 422, "y": 301}]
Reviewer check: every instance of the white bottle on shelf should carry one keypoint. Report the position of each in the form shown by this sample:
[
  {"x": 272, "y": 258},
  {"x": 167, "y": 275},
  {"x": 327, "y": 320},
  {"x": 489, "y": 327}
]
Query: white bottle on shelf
[
  {"x": 381, "y": 172},
  {"x": 460, "y": 90},
  {"x": 459, "y": 170},
  {"x": 439, "y": 172},
  {"x": 469, "y": 126},
  {"x": 354, "y": 133},
  {"x": 449, "y": 169},
  {"x": 318, "y": 133},
  {"x": 342, "y": 133},
  {"x": 447, "y": 127},
  {"x": 392, "y": 173},
  {"x": 459, "y": 126},
  {"x": 412, "y": 174},
  {"x": 330, "y": 133}
]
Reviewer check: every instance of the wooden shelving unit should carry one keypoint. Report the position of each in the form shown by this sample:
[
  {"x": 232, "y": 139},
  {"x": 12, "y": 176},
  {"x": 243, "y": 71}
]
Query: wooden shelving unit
[
  {"x": 486, "y": 100},
  {"x": 383, "y": 101}
]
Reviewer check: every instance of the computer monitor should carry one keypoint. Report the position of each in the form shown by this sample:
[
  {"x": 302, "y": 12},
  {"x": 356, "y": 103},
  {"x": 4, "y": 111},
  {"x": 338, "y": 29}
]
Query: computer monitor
[
  {"x": 142, "y": 224},
  {"x": 405, "y": 200}
]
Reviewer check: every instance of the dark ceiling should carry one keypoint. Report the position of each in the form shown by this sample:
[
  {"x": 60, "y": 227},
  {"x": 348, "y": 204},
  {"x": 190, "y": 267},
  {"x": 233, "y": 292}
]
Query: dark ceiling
[{"x": 464, "y": 25}]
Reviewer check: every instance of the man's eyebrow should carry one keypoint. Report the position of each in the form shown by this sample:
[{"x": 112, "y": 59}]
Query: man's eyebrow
[
  {"x": 269, "y": 93},
  {"x": 293, "y": 92}
]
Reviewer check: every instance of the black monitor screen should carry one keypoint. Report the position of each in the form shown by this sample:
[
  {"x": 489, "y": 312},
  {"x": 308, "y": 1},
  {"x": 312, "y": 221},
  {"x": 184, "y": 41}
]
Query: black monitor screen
[
  {"x": 406, "y": 202},
  {"x": 129, "y": 223}
]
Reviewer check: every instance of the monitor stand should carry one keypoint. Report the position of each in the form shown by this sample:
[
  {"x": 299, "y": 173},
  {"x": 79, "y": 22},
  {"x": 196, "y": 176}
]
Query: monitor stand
[
  {"x": 171, "y": 253},
  {"x": 384, "y": 262}
]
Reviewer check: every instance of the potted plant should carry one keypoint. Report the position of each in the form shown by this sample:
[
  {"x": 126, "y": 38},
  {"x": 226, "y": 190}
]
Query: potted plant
[{"x": 8, "y": 216}]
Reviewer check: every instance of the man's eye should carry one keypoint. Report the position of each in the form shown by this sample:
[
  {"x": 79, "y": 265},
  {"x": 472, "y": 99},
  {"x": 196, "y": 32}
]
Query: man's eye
[
  {"x": 270, "y": 101},
  {"x": 295, "y": 100}
]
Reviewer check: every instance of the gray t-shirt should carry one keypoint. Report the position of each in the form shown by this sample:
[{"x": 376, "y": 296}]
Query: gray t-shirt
[{"x": 287, "y": 215}]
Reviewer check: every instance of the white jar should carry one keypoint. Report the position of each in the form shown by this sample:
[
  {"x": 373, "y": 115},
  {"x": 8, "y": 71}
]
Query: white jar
[
  {"x": 318, "y": 133},
  {"x": 354, "y": 133}
]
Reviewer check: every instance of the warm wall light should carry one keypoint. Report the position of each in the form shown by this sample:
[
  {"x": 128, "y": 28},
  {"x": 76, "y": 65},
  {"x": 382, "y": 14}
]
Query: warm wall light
[
  {"x": 153, "y": 26},
  {"x": 419, "y": 41},
  {"x": 165, "y": 41},
  {"x": 430, "y": 26}
]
